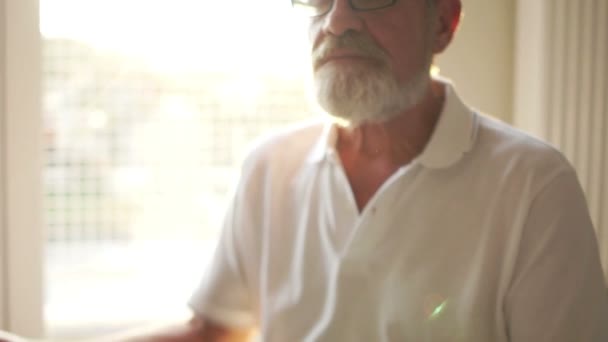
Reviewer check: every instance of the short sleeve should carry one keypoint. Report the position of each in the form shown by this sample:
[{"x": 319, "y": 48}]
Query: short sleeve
[
  {"x": 223, "y": 295},
  {"x": 558, "y": 292}
]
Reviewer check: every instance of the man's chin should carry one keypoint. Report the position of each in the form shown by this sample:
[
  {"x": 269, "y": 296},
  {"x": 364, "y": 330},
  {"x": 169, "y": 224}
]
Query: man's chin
[{"x": 365, "y": 97}]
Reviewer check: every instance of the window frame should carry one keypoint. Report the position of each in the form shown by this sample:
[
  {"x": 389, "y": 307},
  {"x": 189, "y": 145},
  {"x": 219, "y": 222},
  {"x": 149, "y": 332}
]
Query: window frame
[{"x": 21, "y": 233}]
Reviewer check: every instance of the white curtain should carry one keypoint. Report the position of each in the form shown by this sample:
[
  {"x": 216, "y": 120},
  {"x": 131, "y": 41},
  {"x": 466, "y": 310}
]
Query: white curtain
[{"x": 562, "y": 89}]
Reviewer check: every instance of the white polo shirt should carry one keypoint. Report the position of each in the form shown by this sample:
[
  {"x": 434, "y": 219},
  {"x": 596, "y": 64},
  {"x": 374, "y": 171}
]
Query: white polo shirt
[{"x": 485, "y": 237}]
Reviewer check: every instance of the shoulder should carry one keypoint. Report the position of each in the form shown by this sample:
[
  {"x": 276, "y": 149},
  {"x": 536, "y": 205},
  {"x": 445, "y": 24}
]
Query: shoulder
[
  {"x": 504, "y": 158},
  {"x": 285, "y": 148},
  {"x": 515, "y": 150}
]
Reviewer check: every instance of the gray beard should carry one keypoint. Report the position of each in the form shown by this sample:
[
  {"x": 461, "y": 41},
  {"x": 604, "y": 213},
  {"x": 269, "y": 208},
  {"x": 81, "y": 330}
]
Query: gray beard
[{"x": 361, "y": 95}]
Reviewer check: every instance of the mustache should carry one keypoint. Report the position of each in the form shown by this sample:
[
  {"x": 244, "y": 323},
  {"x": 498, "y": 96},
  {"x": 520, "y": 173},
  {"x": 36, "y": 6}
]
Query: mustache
[{"x": 351, "y": 41}]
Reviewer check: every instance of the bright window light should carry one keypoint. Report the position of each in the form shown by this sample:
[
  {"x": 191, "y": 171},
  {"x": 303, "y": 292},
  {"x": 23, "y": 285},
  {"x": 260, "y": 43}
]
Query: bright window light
[{"x": 149, "y": 107}]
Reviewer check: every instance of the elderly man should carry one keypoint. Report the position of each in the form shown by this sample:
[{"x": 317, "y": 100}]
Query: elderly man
[{"x": 407, "y": 217}]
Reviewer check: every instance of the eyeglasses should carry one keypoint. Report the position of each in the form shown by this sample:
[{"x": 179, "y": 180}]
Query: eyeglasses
[{"x": 316, "y": 8}]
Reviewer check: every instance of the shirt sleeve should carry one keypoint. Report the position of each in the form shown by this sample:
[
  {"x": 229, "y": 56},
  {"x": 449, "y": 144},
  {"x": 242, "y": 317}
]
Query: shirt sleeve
[
  {"x": 223, "y": 295},
  {"x": 558, "y": 293}
]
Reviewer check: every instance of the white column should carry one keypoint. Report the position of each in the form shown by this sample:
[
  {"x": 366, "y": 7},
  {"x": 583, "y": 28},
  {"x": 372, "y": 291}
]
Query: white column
[
  {"x": 561, "y": 88},
  {"x": 21, "y": 243},
  {"x": 3, "y": 235}
]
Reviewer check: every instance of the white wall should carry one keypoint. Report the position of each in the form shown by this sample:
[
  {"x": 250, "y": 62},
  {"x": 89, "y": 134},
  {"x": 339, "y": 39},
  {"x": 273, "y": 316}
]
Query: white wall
[
  {"x": 530, "y": 75},
  {"x": 480, "y": 59}
]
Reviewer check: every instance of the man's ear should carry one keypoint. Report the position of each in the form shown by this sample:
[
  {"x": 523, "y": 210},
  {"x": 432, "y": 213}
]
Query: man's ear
[{"x": 448, "y": 13}]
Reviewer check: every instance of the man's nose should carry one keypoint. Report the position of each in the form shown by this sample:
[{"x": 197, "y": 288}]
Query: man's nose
[{"x": 341, "y": 18}]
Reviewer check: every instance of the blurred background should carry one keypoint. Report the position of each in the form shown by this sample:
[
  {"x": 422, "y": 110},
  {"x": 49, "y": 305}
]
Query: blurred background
[
  {"x": 148, "y": 108},
  {"x": 124, "y": 122}
]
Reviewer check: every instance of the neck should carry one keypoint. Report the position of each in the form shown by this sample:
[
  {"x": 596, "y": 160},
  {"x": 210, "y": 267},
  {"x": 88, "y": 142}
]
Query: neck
[{"x": 400, "y": 139}]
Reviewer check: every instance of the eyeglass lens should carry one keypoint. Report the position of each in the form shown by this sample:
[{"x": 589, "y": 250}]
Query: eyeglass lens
[{"x": 320, "y": 7}]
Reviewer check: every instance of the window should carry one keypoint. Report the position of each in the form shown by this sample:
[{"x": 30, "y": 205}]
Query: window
[{"x": 148, "y": 108}]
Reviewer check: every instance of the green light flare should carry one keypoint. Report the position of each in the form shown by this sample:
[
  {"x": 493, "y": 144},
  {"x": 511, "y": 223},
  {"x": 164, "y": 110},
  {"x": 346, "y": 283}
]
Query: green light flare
[{"x": 438, "y": 310}]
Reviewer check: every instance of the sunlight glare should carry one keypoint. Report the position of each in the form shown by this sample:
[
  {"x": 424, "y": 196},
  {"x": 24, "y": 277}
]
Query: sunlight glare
[{"x": 184, "y": 35}]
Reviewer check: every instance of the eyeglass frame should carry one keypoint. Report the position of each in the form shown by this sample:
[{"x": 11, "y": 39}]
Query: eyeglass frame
[{"x": 350, "y": 3}]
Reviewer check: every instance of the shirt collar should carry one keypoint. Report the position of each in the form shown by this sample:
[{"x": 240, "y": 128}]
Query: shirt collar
[
  {"x": 326, "y": 143},
  {"x": 453, "y": 136},
  {"x": 454, "y": 132}
]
